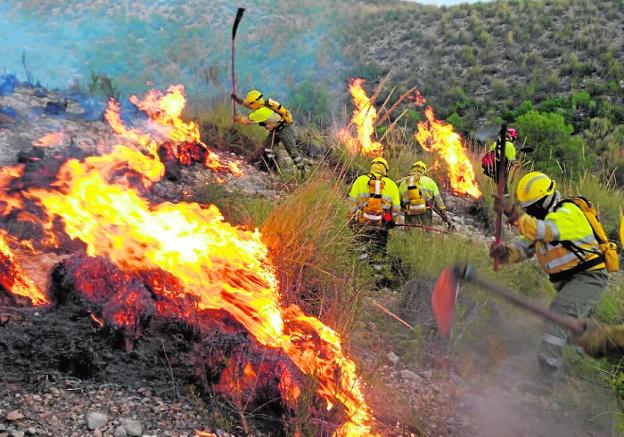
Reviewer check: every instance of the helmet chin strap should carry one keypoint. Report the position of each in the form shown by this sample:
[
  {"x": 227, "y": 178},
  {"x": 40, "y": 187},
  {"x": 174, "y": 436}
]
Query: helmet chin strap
[
  {"x": 543, "y": 206},
  {"x": 551, "y": 200}
]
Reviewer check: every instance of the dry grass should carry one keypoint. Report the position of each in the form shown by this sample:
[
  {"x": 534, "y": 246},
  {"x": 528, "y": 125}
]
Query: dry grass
[{"x": 311, "y": 247}]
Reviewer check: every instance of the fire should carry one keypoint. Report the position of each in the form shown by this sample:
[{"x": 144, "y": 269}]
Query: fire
[
  {"x": 219, "y": 265},
  {"x": 419, "y": 99},
  {"x": 12, "y": 276},
  {"x": 102, "y": 201},
  {"x": 50, "y": 139},
  {"x": 166, "y": 128},
  {"x": 436, "y": 135},
  {"x": 364, "y": 117}
]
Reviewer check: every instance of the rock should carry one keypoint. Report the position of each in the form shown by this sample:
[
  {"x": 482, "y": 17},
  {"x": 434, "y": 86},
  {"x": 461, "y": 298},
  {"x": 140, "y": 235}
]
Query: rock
[
  {"x": 96, "y": 420},
  {"x": 14, "y": 415},
  {"x": 132, "y": 427},
  {"x": 120, "y": 431},
  {"x": 16, "y": 434},
  {"x": 31, "y": 431},
  {"x": 393, "y": 358},
  {"x": 97, "y": 433},
  {"x": 55, "y": 391},
  {"x": 409, "y": 375}
]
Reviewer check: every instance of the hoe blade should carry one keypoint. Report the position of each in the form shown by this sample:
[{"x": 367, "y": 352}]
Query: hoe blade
[{"x": 443, "y": 300}]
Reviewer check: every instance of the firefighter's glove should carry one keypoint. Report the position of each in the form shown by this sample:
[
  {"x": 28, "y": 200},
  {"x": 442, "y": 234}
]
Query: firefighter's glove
[
  {"x": 504, "y": 205},
  {"x": 501, "y": 252},
  {"x": 236, "y": 99},
  {"x": 600, "y": 340}
]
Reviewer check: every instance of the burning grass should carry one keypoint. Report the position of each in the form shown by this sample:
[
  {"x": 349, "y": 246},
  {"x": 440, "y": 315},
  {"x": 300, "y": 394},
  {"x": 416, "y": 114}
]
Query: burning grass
[{"x": 182, "y": 261}]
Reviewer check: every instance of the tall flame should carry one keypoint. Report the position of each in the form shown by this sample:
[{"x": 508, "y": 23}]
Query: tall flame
[
  {"x": 218, "y": 266},
  {"x": 364, "y": 117},
  {"x": 436, "y": 135}
]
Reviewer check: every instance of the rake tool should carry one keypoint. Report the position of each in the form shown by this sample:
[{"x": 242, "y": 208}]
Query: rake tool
[
  {"x": 427, "y": 228},
  {"x": 501, "y": 180},
  {"x": 237, "y": 20},
  {"x": 447, "y": 287}
]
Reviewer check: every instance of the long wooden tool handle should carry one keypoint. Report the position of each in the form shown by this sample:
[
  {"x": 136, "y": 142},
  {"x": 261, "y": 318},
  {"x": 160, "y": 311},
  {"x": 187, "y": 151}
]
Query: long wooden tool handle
[
  {"x": 501, "y": 182},
  {"x": 575, "y": 326}
]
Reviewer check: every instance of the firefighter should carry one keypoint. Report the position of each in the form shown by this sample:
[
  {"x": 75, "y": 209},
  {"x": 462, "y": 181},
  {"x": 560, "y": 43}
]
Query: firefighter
[
  {"x": 419, "y": 195},
  {"x": 489, "y": 161},
  {"x": 374, "y": 207},
  {"x": 274, "y": 117},
  {"x": 571, "y": 247}
]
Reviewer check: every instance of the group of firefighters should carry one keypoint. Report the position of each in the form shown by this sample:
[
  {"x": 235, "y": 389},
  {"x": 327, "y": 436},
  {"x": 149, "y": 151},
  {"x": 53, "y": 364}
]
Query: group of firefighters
[{"x": 564, "y": 235}]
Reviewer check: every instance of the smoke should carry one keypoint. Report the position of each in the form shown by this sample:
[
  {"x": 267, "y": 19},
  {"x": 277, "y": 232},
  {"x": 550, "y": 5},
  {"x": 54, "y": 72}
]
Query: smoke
[
  {"x": 505, "y": 397},
  {"x": 164, "y": 42}
]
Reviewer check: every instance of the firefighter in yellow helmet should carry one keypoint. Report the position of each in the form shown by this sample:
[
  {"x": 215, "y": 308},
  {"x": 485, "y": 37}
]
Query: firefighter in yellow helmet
[
  {"x": 490, "y": 161},
  {"x": 275, "y": 118},
  {"x": 374, "y": 207},
  {"x": 419, "y": 195},
  {"x": 564, "y": 239}
]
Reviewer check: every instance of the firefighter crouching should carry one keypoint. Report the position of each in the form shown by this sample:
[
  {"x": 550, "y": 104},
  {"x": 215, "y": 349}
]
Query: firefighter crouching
[{"x": 419, "y": 195}]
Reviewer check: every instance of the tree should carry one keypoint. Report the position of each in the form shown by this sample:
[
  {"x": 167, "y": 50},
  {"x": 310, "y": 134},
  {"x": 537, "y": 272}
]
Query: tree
[{"x": 557, "y": 151}]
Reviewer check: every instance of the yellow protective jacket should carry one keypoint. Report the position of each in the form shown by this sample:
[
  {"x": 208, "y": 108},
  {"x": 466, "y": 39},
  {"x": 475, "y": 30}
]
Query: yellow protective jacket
[
  {"x": 428, "y": 190},
  {"x": 510, "y": 150},
  {"x": 565, "y": 223},
  {"x": 360, "y": 194},
  {"x": 271, "y": 116}
]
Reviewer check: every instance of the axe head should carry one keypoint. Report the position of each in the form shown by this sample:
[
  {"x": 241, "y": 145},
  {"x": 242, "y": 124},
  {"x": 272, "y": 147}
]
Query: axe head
[{"x": 444, "y": 296}]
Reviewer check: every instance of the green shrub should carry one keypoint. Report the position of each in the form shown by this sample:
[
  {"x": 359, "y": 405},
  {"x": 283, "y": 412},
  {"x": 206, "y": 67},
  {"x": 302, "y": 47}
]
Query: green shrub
[{"x": 557, "y": 152}]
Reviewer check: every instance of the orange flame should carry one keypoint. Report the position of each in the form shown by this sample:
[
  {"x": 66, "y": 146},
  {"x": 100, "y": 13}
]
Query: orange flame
[
  {"x": 50, "y": 139},
  {"x": 218, "y": 266},
  {"x": 165, "y": 125},
  {"x": 364, "y": 116},
  {"x": 436, "y": 135},
  {"x": 419, "y": 100},
  {"x": 13, "y": 278}
]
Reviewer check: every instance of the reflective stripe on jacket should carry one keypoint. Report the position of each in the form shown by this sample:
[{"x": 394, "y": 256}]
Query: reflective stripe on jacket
[
  {"x": 428, "y": 190},
  {"x": 266, "y": 117},
  {"x": 542, "y": 237},
  {"x": 391, "y": 201}
]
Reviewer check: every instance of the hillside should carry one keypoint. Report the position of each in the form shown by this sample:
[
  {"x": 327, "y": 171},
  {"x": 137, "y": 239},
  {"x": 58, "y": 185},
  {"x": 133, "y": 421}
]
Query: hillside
[
  {"x": 168, "y": 41},
  {"x": 484, "y": 59}
]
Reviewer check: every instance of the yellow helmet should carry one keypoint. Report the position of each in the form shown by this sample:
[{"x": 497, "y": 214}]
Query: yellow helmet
[
  {"x": 379, "y": 166},
  {"x": 419, "y": 167},
  {"x": 254, "y": 99},
  {"x": 533, "y": 187}
]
